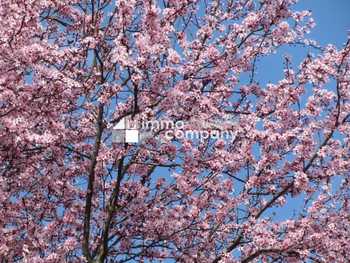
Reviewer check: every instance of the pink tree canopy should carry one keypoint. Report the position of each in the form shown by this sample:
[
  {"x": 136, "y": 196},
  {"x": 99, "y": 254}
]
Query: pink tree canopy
[{"x": 70, "y": 70}]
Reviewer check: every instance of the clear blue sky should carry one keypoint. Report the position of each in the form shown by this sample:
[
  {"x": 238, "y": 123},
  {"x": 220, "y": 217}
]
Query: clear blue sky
[{"x": 332, "y": 19}]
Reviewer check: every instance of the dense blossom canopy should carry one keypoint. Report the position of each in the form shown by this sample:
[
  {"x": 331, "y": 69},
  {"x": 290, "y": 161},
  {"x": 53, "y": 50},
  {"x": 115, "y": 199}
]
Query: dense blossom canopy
[{"x": 71, "y": 69}]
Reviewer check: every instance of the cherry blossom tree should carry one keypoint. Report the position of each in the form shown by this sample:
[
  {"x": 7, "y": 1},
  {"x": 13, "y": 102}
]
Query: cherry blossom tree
[{"x": 70, "y": 70}]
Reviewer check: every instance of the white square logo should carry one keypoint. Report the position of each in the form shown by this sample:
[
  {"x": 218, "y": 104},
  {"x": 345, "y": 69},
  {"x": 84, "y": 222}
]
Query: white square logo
[{"x": 131, "y": 136}]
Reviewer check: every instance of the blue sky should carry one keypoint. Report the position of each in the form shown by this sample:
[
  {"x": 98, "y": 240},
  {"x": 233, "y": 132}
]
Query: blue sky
[{"x": 332, "y": 19}]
